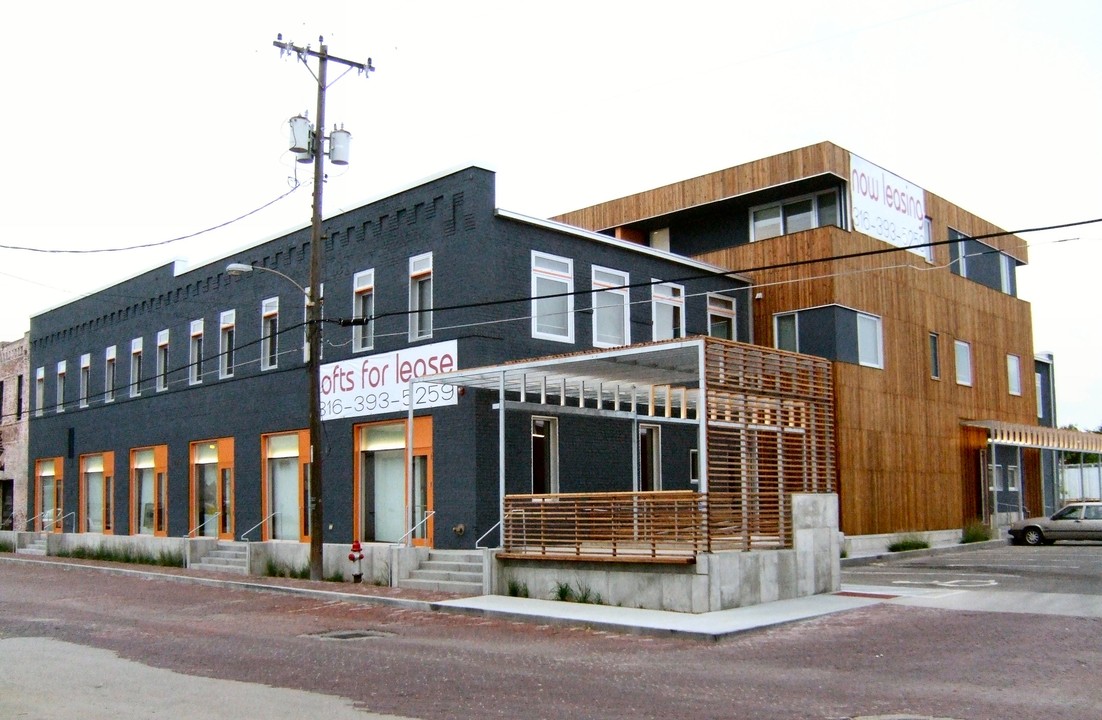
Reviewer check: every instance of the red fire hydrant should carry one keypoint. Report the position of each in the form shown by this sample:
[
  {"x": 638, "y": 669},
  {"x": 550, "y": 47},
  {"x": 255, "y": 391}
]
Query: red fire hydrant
[{"x": 357, "y": 557}]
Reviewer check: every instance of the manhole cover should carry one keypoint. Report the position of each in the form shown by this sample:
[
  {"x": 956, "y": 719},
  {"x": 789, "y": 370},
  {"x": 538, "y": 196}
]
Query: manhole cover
[{"x": 351, "y": 634}]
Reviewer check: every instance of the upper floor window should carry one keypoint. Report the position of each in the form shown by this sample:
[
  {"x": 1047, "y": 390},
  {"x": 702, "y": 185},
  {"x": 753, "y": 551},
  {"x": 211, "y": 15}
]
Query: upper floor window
[
  {"x": 982, "y": 263},
  {"x": 786, "y": 332},
  {"x": 870, "y": 341},
  {"x": 935, "y": 357},
  {"x": 552, "y": 297},
  {"x": 39, "y": 390},
  {"x": 135, "y": 367},
  {"x": 610, "y": 308},
  {"x": 794, "y": 214},
  {"x": 269, "y": 333},
  {"x": 420, "y": 296},
  {"x": 61, "y": 387},
  {"x": 227, "y": 337},
  {"x": 1014, "y": 374},
  {"x": 162, "y": 360},
  {"x": 85, "y": 377},
  {"x": 109, "y": 374},
  {"x": 963, "y": 352},
  {"x": 668, "y": 310},
  {"x": 195, "y": 359},
  {"x": 721, "y": 316},
  {"x": 363, "y": 307}
]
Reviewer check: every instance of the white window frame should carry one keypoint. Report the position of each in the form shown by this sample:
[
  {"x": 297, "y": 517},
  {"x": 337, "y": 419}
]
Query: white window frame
[
  {"x": 227, "y": 343},
  {"x": 195, "y": 353},
  {"x": 161, "y": 383},
  {"x": 136, "y": 367},
  {"x": 1039, "y": 382},
  {"x": 878, "y": 328},
  {"x": 85, "y": 379},
  {"x": 269, "y": 333},
  {"x": 962, "y": 353},
  {"x": 552, "y": 275},
  {"x": 1006, "y": 264},
  {"x": 725, "y": 307},
  {"x": 934, "y": 343},
  {"x": 672, "y": 295},
  {"x": 1014, "y": 374},
  {"x": 420, "y": 318},
  {"x": 109, "y": 373},
  {"x": 612, "y": 286},
  {"x": 363, "y": 289},
  {"x": 795, "y": 330},
  {"x": 60, "y": 407},
  {"x": 39, "y": 390},
  {"x": 779, "y": 205}
]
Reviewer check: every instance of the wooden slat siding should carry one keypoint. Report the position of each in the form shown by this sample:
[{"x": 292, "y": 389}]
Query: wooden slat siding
[{"x": 898, "y": 431}]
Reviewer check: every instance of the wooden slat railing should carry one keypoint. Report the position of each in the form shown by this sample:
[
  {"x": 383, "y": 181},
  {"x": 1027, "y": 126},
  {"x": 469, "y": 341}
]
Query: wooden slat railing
[{"x": 626, "y": 526}]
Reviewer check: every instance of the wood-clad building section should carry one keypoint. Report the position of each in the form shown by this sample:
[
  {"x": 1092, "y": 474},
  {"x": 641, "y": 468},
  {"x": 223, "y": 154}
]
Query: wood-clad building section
[{"x": 904, "y": 461}]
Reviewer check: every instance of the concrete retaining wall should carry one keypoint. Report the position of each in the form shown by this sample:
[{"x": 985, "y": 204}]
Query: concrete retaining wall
[
  {"x": 717, "y": 581},
  {"x": 861, "y": 545}
]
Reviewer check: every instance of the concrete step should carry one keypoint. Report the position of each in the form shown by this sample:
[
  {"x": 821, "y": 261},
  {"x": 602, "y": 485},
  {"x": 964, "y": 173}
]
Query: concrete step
[
  {"x": 227, "y": 554},
  {"x": 459, "y": 588},
  {"x": 221, "y": 566},
  {"x": 444, "y": 566},
  {"x": 32, "y": 550},
  {"x": 461, "y": 556},
  {"x": 446, "y": 576}
]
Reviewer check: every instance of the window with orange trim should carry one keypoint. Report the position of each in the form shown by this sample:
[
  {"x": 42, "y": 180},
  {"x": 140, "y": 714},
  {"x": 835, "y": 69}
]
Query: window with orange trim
[
  {"x": 286, "y": 482},
  {"x": 97, "y": 492},
  {"x": 49, "y": 494},
  {"x": 149, "y": 491}
]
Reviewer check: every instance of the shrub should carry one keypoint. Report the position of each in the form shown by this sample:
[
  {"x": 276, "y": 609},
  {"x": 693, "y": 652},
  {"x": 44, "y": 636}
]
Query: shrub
[
  {"x": 164, "y": 558},
  {"x": 975, "y": 531},
  {"x": 6, "y": 547},
  {"x": 518, "y": 589},
  {"x": 908, "y": 542},
  {"x": 584, "y": 594}
]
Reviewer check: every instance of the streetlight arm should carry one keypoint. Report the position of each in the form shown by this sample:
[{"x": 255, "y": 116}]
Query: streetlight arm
[{"x": 243, "y": 269}]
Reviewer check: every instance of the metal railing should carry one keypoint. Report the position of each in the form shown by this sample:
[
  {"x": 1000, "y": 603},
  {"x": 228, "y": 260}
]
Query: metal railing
[
  {"x": 402, "y": 540},
  {"x": 72, "y": 515},
  {"x": 201, "y": 525},
  {"x": 478, "y": 543},
  {"x": 244, "y": 535}
]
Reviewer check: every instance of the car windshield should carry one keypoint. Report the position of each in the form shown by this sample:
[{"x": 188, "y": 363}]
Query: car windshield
[{"x": 1072, "y": 512}]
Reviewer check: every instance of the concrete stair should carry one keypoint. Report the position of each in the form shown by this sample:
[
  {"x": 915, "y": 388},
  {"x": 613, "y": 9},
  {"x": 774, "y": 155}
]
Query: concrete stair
[
  {"x": 229, "y": 557},
  {"x": 35, "y": 547},
  {"x": 452, "y": 571}
]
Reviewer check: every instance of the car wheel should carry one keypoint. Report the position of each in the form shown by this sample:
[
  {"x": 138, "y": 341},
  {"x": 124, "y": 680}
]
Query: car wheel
[{"x": 1033, "y": 536}]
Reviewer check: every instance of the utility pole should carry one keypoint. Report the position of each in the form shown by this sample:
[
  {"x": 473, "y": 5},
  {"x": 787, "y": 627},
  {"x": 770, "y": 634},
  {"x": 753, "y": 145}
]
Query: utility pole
[{"x": 313, "y": 301}]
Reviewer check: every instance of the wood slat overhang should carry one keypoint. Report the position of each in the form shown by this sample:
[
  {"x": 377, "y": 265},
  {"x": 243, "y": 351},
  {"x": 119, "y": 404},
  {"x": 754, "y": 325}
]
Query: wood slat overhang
[{"x": 1035, "y": 436}]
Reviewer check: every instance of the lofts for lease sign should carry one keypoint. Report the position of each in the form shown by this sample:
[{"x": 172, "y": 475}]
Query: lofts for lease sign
[
  {"x": 886, "y": 206},
  {"x": 378, "y": 384}
]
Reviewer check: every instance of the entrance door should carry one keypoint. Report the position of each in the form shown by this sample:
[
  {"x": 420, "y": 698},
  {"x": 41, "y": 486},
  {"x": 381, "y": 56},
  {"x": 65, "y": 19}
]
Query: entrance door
[
  {"x": 212, "y": 488},
  {"x": 381, "y": 496}
]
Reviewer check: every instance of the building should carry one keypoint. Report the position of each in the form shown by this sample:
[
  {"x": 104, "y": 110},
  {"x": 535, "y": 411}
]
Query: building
[
  {"x": 914, "y": 300},
  {"x": 13, "y": 434},
  {"x": 174, "y": 403}
]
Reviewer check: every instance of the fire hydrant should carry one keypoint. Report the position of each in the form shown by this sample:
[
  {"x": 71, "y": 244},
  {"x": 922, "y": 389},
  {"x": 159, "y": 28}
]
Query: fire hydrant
[{"x": 357, "y": 557}]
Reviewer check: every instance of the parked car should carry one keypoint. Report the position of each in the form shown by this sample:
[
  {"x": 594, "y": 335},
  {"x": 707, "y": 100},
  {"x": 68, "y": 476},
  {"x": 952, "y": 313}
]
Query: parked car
[{"x": 1075, "y": 521}]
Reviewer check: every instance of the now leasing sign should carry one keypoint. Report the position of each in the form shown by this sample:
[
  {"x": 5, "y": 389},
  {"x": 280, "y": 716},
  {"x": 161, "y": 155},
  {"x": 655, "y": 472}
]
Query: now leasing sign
[
  {"x": 379, "y": 384},
  {"x": 885, "y": 206}
]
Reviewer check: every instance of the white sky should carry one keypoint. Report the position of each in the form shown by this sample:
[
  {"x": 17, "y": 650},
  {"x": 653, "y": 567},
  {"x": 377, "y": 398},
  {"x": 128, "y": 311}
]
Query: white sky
[{"x": 135, "y": 122}]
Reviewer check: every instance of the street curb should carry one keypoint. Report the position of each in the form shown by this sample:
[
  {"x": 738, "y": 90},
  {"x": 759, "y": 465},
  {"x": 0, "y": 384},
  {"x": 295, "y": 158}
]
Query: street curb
[{"x": 924, "y": 552}]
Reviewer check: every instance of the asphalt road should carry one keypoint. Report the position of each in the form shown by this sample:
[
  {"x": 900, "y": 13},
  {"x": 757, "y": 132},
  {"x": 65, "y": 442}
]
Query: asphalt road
[{"x": 126, "y": 647}]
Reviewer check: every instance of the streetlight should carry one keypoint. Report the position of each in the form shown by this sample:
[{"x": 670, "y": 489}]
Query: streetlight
[{"x": 314, "y": 400}]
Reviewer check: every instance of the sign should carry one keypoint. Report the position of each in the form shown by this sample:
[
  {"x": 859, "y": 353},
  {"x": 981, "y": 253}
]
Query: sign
[
  {"x": 887, "y": 207},
  {"x": 378, "y": 384}
]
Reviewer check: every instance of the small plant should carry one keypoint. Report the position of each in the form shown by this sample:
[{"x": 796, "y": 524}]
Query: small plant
[
  {"x": 975, "y": 531},
  {"x": 843, "y": 553},
  {"x": 382, "y": 577},
  {"x": 6, "y": 547},
  {"x": 584, "y": 594},
  {"x": 908, "y": 542},
  {"x": 272, "y": 568},
  {"x": 518, "y": 589},
  {"x": 164, "y": 558},
  {"x": 563, "y": 592},
  {"x": 335, "y": 577}
]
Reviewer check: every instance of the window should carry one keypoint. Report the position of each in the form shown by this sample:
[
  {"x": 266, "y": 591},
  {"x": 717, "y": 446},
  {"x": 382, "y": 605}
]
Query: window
[
  {"x": 39, "y": 391},
  {"x": 964, "y": 362},
  {"x": 610, "y": 308},
  {"x": 927, "y": 251},
  {"x": 668, "y": 311},
  {"x": 552, "y": 297},
  {"x": 1038, "y": 380},
  {"x": 19, "y": 398},
  {"x": 958, "y": 253},
  {"x": 195, "y": 358},
  {"x": 380, "y": 481},
  {"x": 793, "y": 215},
  {"x": 935, "y": 357},
  {"x": 60, "y": 387},
  {"x": 149, "y": 491},
  {"x": 211, "y": 489},
  {"x": 1014, "y": 374},
  {"x": 227, "y": 329},
  {"x": 1007, "y": 280},
  {"x": 545, "y": 455},
  {"x": 162, "y": 360},
  {"x": 109, "y": 375},
  {"x": 650, "y": 458},
  {"x": 659, "y": 239},
  {"x": 420, "y": 297},
  {"x": 269, "y": 333},
  {"x": 96, "y": 492},
  {"x": 135, "y": 367},
  {"x": 363, "y": 307},
  {"x": 786, "y": 332},
  {"x": 870, "y": 341},
  {"x": 721, "y": 317},
  {"x": 85, "y": 377},
  {"x": 286, "y": 480},
  {"x": 49, "y": 494}
]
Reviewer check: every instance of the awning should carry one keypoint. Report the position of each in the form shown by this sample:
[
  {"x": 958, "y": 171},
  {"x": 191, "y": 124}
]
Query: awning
[{"x": 1035, "y": 436}]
